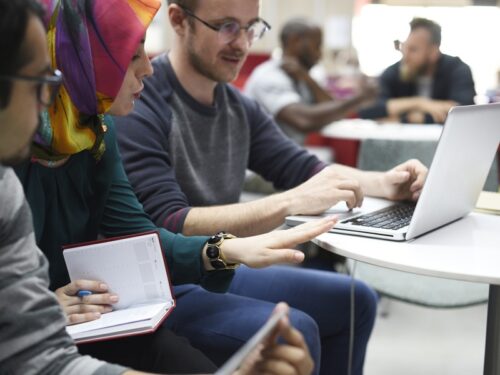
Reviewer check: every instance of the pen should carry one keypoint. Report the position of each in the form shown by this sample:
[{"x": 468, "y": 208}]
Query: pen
[{"x": 83, "y": 293}]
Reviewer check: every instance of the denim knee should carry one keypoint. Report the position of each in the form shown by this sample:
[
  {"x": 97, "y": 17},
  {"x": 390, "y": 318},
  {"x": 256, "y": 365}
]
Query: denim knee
[
  {"x": 366, "y": 301},
  {"x": 310, "y": 330}
]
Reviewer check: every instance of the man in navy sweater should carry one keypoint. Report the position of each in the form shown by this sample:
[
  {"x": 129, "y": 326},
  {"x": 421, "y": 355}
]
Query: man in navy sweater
[{"x": 186, "y": 148}]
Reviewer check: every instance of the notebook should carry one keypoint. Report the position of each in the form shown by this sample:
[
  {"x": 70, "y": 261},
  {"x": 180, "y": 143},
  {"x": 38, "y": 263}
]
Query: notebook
[
  {"x": 464, "y": 155},
  {"x": 134, "y": 268},
  {"x": 488, "y": 203}
]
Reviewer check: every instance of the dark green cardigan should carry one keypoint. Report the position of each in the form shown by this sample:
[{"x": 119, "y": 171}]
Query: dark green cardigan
[{"x": 84, "y": 199}]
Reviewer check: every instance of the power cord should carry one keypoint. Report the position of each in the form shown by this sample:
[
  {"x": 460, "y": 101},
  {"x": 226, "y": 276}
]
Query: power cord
[{"x": 351, "y": 320}]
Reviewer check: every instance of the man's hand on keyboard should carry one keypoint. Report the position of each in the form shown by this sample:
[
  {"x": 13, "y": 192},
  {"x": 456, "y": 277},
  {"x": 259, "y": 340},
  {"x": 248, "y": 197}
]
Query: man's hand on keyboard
[
  {"x": 324, "y": 190},
  {"x": 404, "y": 182}
]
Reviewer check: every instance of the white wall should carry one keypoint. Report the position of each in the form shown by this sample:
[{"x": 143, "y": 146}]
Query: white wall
[
  {"x": 467, "y": 32},
  {"x": 276, "y": 12},
  {"x": 469, "y": 37}
]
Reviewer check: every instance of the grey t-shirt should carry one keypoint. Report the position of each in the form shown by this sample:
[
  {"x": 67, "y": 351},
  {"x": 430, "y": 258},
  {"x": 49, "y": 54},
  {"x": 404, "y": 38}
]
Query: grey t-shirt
[
  {"x": 271, "y": 87},
  {"x": 33, "y": 339},
  {"x": 203, "y": 154},
  {"x": 424, "y": 87}
]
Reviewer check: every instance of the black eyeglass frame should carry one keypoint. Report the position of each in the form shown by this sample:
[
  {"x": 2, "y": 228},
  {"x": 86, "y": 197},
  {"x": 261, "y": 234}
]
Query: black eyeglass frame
[
  {"x": 55, "y": 81},
  {"x": 398, "y": 45},
  {"x": 267, "y": 26}
]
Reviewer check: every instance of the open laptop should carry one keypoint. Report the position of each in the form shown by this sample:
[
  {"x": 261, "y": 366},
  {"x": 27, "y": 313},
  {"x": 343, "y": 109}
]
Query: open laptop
[{"x": 464, "y": 155}]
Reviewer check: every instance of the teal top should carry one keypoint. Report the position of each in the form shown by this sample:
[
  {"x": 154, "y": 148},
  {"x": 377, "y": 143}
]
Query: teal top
[{"x": 85, "y": 199}]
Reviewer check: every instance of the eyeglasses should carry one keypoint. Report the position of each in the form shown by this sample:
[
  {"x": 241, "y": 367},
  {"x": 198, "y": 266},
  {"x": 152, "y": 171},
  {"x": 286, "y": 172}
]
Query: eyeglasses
[
  {"x": 47, "y": 88},
  {"x": 229, "y": 31},
  {"x": 398, "y": 45}
]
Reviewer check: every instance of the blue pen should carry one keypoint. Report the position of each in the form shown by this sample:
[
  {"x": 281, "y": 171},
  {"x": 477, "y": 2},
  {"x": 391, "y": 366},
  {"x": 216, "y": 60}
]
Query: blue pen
[{"x": 83, "y": 293}]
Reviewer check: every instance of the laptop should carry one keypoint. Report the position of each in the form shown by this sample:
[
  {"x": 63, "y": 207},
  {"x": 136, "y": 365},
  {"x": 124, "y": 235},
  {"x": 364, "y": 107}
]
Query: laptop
[{"x": 463, "y": 158}]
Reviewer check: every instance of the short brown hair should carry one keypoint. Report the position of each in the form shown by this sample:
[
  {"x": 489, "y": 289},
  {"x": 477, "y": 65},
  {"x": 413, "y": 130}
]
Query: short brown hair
[
  {"x": 189, "y": 4},
  {"x": 432, "y": 27},
  {"x": 14, "y": 20},
  {"x": 296, "y": 27}
]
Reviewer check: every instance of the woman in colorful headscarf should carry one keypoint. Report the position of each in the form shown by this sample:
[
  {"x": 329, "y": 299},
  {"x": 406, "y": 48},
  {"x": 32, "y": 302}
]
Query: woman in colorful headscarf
[
  {"x": 77, "y": 188},
  {"x": 74, "y": 183}
]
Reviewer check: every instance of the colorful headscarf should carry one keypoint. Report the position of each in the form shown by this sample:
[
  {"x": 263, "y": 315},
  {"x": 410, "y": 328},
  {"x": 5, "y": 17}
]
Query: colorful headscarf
[{"x": 92, "y": 43}]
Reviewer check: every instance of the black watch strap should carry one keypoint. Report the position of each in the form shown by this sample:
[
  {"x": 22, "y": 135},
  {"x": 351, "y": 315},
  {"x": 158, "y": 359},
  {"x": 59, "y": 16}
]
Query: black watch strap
[{"x": 215, "y": 254}]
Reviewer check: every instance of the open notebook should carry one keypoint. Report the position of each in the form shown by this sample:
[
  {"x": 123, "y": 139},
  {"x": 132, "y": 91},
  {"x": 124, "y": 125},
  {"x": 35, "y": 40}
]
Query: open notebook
[{"x": 134, "y": 268}]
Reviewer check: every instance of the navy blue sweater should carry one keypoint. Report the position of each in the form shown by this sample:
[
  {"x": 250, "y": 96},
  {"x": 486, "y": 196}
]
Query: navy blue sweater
[
  {"x": 179, "y": 153},
  {"x": 452, "y": 80}
]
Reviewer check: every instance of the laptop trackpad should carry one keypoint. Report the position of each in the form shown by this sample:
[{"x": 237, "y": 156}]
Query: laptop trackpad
[{"x": 342, "y": 214}]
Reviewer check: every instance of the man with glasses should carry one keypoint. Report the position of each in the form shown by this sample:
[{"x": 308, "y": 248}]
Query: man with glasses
[
  {"x": 186, "y": 148},
  {"x": 42, "y": 87},
  {"x": 227, "y": 31},
  {"x": 425, "y": 83},
  {"x": 33, "y": 338}
]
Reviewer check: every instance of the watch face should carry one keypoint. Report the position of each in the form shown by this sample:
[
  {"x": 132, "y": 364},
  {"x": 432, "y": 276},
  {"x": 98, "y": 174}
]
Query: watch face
[
  {"x": 218, "y": 264},
  {"x": 214, "y": 239},
  {"x": 212, "y": 252}
]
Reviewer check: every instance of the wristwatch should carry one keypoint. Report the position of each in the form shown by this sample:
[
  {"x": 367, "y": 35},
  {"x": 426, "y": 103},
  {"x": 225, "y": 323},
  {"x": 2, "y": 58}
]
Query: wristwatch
[{"x": 215, "y": 254}]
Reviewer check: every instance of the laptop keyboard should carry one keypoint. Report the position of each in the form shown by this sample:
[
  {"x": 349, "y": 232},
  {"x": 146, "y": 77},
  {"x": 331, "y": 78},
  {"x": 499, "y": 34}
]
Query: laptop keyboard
[{"x": 392, "y": 217}]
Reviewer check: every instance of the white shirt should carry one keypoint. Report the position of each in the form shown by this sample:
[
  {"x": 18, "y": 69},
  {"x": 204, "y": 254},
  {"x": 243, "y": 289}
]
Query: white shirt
[{"x": 274, "y": 89}]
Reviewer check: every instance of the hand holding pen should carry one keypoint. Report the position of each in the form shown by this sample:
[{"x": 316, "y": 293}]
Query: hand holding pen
[{"x": 85, "y": 300}]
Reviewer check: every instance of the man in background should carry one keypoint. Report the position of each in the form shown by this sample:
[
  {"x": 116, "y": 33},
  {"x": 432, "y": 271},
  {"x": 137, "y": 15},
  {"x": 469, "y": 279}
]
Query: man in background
[
  {"x": 425, "y": 83},
  {"x": 285, "y": 88}
]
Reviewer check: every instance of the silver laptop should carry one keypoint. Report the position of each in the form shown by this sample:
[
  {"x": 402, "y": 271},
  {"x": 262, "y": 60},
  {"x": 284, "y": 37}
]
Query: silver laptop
[{"x": 464, "y": 155}]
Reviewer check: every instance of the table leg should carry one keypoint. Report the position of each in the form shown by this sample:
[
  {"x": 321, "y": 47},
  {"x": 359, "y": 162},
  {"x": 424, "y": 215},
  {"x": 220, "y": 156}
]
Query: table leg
[{"x": 492, "y": 351}]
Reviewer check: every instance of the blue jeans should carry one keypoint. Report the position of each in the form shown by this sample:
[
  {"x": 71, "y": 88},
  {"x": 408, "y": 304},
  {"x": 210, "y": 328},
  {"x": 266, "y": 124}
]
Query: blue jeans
[{"x": 218, "y": 324}]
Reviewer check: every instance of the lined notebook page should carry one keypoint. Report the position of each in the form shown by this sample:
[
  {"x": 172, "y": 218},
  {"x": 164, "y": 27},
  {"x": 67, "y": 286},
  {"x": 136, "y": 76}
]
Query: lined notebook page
[{"x": 133, "y": 268}]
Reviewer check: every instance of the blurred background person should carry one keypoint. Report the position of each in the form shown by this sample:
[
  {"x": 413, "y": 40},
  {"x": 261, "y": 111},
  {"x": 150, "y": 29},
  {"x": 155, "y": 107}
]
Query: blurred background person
[
  {"x": 288, "y": 92},
  {"x": 425, "y": 83}
]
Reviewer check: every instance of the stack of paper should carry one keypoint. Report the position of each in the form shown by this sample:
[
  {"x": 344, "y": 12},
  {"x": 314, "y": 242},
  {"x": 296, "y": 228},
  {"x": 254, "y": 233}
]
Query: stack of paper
[{"x": 488, "y": 203}]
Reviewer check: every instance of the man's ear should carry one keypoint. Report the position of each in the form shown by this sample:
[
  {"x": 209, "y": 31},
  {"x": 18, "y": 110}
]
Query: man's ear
[{"x": 178, "y": 19}]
